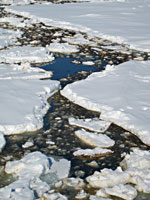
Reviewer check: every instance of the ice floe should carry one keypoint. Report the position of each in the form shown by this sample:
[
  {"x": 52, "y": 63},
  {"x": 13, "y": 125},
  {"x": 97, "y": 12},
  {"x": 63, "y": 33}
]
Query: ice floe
[
  {"x": 62, "y": 48},
  {"x": 120, "y": 93},
  {"x": 94, "y": 139},
  {"x": 22, "y": 106},
  {"x": 94, "y": 124},
  {"x": 25, "y": 54},
  {"x": 2, "y": 141},
  {"x": 108, "y": 178},
  {"x": 97, "y": 152}
]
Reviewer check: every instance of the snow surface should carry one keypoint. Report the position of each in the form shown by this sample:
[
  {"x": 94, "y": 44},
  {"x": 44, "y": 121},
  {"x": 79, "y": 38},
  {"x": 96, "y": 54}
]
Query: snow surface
[
  {"x": 8, "y": 37},
  {"x": 94, "y": 139},
  {"x": 92, "y": 152},
  {"x": 120, "y": 21},
  {"x": 94, "y": 124},
  {"x": 62, "y": 48},
  {"x": 25, "y": 54},
  {"x": 120, "y": 93}
]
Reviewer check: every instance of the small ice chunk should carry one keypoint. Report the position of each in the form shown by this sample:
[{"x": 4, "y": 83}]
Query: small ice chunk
[
  {"x": 62, "y": 48},
  {"x": 53, "y": 196},
  {"x": 94, "y": 139},
  {"x": 108, "y": 178},
  {"x": 2, "y": 141},
  {"x": 61, "y": 168},
  {"x": 122, "y": 191},
  {"x": 97, "y": 152},
  {"x": 88, "y": 63},
  {"x": 94, "y": 124},
  {"x": 27, "y": 144}
]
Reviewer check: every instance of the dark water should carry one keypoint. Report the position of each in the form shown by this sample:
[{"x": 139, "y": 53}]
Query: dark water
[{"x": 63, "y": 67}]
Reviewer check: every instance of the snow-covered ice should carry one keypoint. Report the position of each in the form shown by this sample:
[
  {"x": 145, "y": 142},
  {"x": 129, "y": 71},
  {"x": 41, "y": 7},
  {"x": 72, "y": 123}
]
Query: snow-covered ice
[
  {"x": 62, "y": 48},
  {"x": 94, "y": 139},
  {"x": 25, "y": 54},
  {"x": 2, "y": 141},
  {"x": 94, "y": 124},
  {"x": 108, "y": 178},
  {"x": 92, "y": 152},
  {"x": 120, "y": 21},
  {"x": 120, "y": 93},
  {"x": 122, "y": 191},
  {"x": 8, "y": 37},
  {"x": 22, "y": 106}
]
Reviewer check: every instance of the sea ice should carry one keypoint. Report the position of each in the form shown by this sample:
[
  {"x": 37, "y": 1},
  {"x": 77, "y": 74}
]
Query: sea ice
[
  {"x": 62, "y": 48},
  {"x": 94, "y": 124},
  {"x": 92, "y": 152},
  {"x": 108, "y": 178},
  {"x": 22, "y": 106},
  {"x": 120, "y": 93},
  {"x": 94, "y": 139},
  {"x": 130, "y": 19},
  {"x": 25, "y": 54},
  {"x": 122, "y": 191},
  {"x": 8, "y": 37},
  {"x": 2, "y": 141}
]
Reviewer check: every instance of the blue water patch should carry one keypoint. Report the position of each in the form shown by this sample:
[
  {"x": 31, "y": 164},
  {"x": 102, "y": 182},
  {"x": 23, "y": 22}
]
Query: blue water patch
[{"x": 62, "y": 67}]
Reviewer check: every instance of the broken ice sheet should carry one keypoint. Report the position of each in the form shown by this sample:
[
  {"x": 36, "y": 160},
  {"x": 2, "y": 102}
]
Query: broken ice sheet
[
  {"x": 94, "y": 139},
  {"x": 96, "y": 152},
  {"x": 94, "y": 124},
  {"x": 25, "y": 54},
  {"x": 62, "y": 48}
]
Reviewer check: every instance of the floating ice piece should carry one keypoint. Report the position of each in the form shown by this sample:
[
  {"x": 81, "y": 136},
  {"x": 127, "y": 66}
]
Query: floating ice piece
[
  {"x": 122, "y": 191},
  {"x": 117, "y": 93},
  {"x": 62, "y": 48},
  {"x": 97, "y": 152},
  {"x": 81, "y": 195},
  {"x": 108, "y": 178},
  {"x": 93, "y": 197},
  {"x": 32, "y": 165},
  {"x": 23, "y": 71},
  {"x": 94, "y": 124},
  {"x": 2, "y": 141},
  {"x": 88, "y": 63},
  {"x": 27, "y": 144},
  {"x": 22, "y": 106},
  {"x": 138, "y": 159},
  {"x": 61, "y": 172},
  {"x": 141, "y": 184},
  {"x": 25, "y": 54},
  {"x": 78, "y": 39},
  {"x": 8, "y": 37},
  {"x": 94, "y": 139},
  {"x": 53, "y": 196}
]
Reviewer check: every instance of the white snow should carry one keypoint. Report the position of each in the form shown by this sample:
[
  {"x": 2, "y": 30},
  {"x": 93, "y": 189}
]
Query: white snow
[
  {"x": 27, "y": 144},
  {"x": 8, "y": 37},
  {"x": 120, "y": 93},
  {"x": 62, "y": 48},
  {"x": 25, "y": 54},
  {"x": 94, "y": 139},
  {"x": 120, "y": 21},
  {"x": 94, "y": 124},
  {"x": 122, "y": 191},
  {"x": 92, "y": 152},
  {"x": 28, "y": 171},
  {"x": 2, "y": 141},
  {"x": 108, "y": 178}
]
